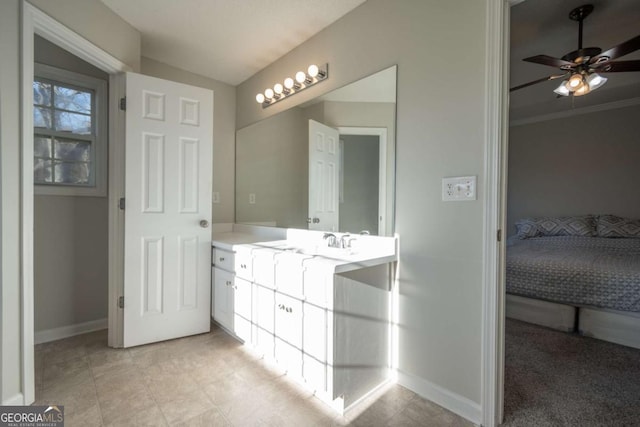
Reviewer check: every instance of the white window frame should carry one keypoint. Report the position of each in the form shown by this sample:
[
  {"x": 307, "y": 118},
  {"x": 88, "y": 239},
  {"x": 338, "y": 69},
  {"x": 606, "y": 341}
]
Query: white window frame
[{"x": 99, "y": 125}]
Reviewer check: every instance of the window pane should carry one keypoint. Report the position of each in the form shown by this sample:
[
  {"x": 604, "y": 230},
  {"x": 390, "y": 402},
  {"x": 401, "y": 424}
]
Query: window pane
[
  {"x": 42, "y": 118},
  {"x": 72, "y": 99},
  {"x": 72, "y": 173},
  {"x": 42, "y": 171},
  {"x": 42, "y": 93},
  {"x": 72, "y": 150},
  {"x": 42, "y": 146},
  {"x": 73, "y": 122}
]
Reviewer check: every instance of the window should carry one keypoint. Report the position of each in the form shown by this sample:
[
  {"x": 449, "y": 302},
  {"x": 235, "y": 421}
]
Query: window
[{"x": 69, "y": 120}]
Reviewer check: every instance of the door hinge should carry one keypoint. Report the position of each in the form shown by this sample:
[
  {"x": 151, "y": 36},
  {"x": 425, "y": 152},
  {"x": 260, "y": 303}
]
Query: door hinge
[
  {"x": 121, "y": 203},
  {"x": 121, "y": 302},
  {"x": 123, "y": 103},
  {"x": 499, "y": 236}
]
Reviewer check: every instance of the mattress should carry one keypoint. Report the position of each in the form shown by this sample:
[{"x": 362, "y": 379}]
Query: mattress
[{"x": 576, "y": 270}]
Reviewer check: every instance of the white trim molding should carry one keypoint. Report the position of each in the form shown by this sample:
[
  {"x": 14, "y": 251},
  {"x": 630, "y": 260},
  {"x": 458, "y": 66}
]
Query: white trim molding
[
  {"x": 34, "y": 21},
  {"x": 70, "y": 331},
  {"x": 494, "y": 182},
  {"x": 457, "y": 404},
  {"x": 15, "y": 400}
]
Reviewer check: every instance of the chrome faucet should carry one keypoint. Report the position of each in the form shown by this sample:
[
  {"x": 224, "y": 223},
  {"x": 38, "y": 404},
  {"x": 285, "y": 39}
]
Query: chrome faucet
[
  {"x": 332, "y": 240},
  {"x": 345, "y": 241}
]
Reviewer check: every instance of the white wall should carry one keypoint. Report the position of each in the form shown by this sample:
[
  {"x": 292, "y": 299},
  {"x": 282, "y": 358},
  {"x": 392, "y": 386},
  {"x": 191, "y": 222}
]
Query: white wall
[
  {"x": 586, "y": 164},
  {"x": 224, "y": 106},
  {"x": 91, "y": 19},
  {"x": 440, "y": 132}
]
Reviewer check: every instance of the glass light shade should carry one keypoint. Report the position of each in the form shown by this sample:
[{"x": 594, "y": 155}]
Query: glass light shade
[
  {"x": 260, "y": 98},
  {"x": 313, "y": 70},
  {"x": 268, "y": 93},
  {"x": 277, "y": 88},
  {"x": 562, "y": 89},
  {"x": 301, "y": 76},
  {"x": 288, "y": 82},
  {"x": 582, "y": 90},
  {"x": 595, "y": 81}
]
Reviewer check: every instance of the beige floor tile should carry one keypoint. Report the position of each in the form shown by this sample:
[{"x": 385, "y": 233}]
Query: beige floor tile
[
  {"x": 205, "y": 380},
  {"x": 107, "y": 361},
  {"x": 86, "y": 417},
  {"x": 185, "y": 407},
  {"x": 211, "y": 418},
  {"x": 150, "y": 416}
]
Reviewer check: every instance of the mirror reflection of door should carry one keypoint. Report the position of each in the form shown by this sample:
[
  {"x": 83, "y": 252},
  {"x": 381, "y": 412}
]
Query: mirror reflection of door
[{"x": 324, "y": 170}]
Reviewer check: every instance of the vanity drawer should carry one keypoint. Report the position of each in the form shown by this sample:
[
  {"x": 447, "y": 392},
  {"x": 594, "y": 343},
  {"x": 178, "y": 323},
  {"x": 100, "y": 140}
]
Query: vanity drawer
[
  {"x": 264, "y": 268},
  {"x": 223, "y": 259},
  {"x": 289, "y": 275}
]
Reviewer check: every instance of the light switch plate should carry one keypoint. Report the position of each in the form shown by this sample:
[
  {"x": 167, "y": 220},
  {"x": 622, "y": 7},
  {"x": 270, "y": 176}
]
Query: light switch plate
[
  {"x": 252, "y": 198},
  {"x": 216, "y": 197},
  {"x": 459, "y": 188}
]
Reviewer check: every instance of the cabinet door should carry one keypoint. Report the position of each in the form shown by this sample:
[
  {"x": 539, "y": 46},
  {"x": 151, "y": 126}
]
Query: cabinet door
[
  {"x": 314, "y": 345},
  {"x": 265, "y": 303},
  {"x": 242, "y": 310},
  {"x": 288, "y": 342},
  {"x": 223, "y": 298}
]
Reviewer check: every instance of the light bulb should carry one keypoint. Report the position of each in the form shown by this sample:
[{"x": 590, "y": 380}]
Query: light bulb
[
  {"x": 312, "y": 70},
  {"x": 260, "y": 98},
  {"x": 301, "y": 77},
  {"x": 268, "y": 93},
  {"x": 277, "y": 88},
  {"x": 575, "y": 81},
  {"x": 288, "y": 82}
]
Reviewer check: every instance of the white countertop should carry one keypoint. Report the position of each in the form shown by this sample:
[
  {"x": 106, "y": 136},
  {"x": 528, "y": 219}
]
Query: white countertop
[{"x": 339, "y": 263}]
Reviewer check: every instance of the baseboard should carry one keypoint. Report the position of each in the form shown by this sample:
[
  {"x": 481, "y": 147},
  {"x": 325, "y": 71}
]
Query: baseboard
[
  {"x": 17, "y": 400},
  {"x": 455, "y": 403},
  {"x": 69, "y": 331}
]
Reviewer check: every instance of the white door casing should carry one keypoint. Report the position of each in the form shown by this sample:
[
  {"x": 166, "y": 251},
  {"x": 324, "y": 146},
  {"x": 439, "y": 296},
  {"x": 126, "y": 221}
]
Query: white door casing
[
  {"x": 324, "y": 176},
  {"x": 169, "y": 142}
]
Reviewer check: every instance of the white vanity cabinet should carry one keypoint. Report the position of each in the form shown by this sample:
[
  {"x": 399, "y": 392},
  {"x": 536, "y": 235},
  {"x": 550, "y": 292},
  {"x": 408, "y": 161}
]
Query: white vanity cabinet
[
  {"x": 233, "y": 292},
  {"x": 326, "y": 329}
]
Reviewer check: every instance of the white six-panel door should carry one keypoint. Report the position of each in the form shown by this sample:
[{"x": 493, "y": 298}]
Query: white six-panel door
[
  {"x": 169, "y": 140},
  {"x": 324, "y": 176}
]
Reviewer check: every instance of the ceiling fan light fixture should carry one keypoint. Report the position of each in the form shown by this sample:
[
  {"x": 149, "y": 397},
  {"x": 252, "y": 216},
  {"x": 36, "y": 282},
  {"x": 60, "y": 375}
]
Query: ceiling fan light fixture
[
  {"x": 582, "y": 90},
  {"x": 576, "y": 81},
  {"x": 562, "y": 89}
]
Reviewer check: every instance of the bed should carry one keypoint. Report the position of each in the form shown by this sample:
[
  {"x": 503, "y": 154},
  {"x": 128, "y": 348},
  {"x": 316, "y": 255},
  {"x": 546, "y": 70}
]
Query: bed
[{"x": 580, "y": 277}]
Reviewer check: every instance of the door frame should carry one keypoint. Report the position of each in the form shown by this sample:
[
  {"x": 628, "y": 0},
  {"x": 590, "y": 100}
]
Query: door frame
[
  {"x": 381, "y": 133},
  {"x": 494, "y": 209},
  {"x": 34, "y": 21}
]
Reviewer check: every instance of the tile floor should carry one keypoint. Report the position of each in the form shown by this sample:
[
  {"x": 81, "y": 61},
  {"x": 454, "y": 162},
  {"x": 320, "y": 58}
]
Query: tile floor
[{"x": 204, "y": 380}]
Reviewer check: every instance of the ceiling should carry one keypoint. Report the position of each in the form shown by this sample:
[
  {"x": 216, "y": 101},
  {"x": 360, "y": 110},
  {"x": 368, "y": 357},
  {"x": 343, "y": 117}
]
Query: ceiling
[
  {"x": 227, "y": 40},
  {"x": 543, "y": 27}
]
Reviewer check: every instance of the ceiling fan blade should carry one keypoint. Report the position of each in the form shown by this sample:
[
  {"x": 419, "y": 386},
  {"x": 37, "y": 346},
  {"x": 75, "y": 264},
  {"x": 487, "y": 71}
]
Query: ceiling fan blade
[
  {"x": 622, "y": 49},
  {"x": 618, "y": 66},
  {"x": 550, "y": 60},
  {"x": 544, "y": 79}
]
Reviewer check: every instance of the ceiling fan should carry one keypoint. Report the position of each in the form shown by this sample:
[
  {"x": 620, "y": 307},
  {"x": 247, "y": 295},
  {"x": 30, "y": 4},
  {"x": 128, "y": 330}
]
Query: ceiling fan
[{"x": 581, "y": 67}]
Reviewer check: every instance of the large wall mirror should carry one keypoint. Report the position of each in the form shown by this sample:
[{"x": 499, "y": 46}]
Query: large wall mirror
[{"x": 328, "y": 164}]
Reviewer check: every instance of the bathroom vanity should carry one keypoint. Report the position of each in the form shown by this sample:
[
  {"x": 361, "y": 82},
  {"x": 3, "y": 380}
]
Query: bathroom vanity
[{"x": 320, "y": 313}]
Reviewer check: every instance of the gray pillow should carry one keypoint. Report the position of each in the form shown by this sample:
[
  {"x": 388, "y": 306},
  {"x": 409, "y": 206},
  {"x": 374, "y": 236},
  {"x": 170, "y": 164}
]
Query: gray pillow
[
  {"x": 615, "y": 226},
  {"x": 556, "y": 226},
  {"x": 526, "y": 228}
]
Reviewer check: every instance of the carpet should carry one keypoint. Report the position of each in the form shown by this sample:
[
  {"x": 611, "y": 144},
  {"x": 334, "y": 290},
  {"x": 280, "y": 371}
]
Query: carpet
[{"x": 559, "y": 379}]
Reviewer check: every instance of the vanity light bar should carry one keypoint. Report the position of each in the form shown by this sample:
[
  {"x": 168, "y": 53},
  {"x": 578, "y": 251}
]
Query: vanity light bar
[{"x": 291, "y": 86}]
